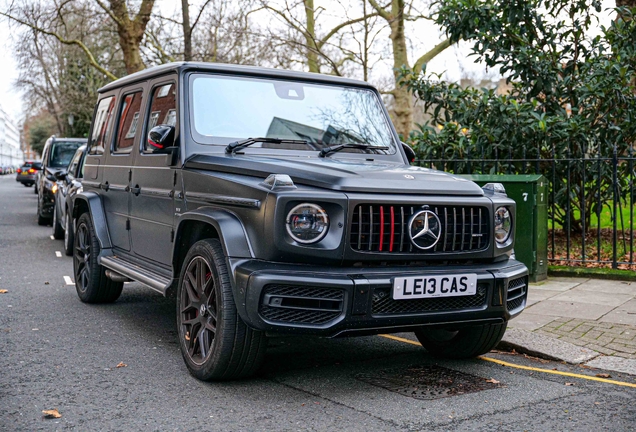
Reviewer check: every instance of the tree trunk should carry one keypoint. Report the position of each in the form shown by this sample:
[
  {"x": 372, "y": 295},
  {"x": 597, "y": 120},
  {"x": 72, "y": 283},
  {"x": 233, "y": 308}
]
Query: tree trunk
[
  {"x": 187, "y": 31},
  {"x": 310, "y": 38},
  {"x": 131, "y": 32},
  {"x": 403, "y": 105}
]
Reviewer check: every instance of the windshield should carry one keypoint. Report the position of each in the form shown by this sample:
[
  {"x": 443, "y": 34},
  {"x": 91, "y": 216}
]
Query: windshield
[
  {"x": 62, "y": 153},
  {"x": 226, "y": 109}
]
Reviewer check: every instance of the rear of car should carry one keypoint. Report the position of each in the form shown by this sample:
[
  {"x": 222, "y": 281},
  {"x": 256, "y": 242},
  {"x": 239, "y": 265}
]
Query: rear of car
[{"x": 27, "y": 173}]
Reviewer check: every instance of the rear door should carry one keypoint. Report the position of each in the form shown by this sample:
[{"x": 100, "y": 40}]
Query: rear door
[
  {"x": 153, "y": 180},
  {"x": 117, "y": 169}
]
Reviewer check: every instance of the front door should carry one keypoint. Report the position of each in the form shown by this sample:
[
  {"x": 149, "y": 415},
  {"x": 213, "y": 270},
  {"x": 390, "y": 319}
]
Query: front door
[{"x": 153, "y": 181}]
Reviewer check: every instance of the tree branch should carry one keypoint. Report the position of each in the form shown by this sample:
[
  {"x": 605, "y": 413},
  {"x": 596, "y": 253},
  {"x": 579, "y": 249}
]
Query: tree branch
[
  {"x": 339, "y": 27},
  {"x": 437, "y": 49},
  {"x": 110, "y": 13},
  {"x": 196, "y": 21},
  {"x": 79, "y": 43},
  {"x": 381, "y": 11}
]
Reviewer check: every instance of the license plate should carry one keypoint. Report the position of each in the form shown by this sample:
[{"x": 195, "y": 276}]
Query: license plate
[
  {"x": 416, "y": 287},
  {"x": 25, "y": 173}
]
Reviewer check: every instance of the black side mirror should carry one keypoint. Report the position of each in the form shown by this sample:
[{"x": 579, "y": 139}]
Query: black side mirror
[
  {"x": 160, "y": 138},
  {"x": 410, "y": 153},
  {"x": 61, "y": 175}
]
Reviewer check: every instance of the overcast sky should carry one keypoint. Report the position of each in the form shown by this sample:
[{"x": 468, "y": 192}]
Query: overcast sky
[{"x": 423, "y": 37}]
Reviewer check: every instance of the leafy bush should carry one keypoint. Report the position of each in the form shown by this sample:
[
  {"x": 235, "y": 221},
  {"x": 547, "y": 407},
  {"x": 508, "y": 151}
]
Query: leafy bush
[{"x": 571, "y": 99}]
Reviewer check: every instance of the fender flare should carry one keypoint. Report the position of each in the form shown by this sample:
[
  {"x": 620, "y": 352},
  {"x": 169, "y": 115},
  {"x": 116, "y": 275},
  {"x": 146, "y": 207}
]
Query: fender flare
[
  {"x": 96, "y": 212},
  {"x": 228, "y": 226}
]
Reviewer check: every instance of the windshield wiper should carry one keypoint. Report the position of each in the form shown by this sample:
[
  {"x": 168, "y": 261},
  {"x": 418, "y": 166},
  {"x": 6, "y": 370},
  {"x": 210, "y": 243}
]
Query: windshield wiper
[
  {"x": 336, "y": 148},
  {"x": 237, "y": 145}
]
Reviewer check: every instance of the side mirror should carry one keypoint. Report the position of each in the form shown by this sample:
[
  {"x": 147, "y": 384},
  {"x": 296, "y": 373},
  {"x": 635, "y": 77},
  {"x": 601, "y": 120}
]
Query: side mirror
[
  {"x": 61, "y": 175},
  {"x": 410, "y": 153},
  {"x": 160, "y": 138}
]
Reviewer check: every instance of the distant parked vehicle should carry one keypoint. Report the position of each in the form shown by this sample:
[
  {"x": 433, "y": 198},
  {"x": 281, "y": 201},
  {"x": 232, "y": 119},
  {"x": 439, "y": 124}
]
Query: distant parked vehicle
[
  {"x": 27, "y": 173},
  {"x": 56, "y": 157},
  {"x": 68, "y": 185}
]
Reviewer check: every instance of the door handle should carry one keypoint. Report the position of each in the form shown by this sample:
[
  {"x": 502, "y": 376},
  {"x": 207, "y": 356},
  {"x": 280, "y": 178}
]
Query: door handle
[
  {"x": 104, "y": 186},
  {"x": 136, "y": 190}
]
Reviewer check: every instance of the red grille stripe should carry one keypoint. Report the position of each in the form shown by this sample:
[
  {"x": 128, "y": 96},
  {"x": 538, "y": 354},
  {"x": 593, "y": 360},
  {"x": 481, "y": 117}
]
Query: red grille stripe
[{"x": 392, "y": 229}]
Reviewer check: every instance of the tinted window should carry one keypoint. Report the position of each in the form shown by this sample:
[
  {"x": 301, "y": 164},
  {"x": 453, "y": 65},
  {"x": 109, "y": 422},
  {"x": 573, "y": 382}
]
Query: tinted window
[
  {"x": 101, "y": 125},
  {"x": 162, "y": 107},
  {"x": 62, "y": 153},
  {"x": 37, "y": 165},
  {"x": 128, "y": 121},
  {"x": 72, "y": 168}
]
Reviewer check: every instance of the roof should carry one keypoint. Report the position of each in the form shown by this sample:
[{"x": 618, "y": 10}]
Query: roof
[{"x": 230, "y": 69}]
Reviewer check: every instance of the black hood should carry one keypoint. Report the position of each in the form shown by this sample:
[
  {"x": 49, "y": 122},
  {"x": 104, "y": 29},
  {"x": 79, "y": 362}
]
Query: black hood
[{"x": 342, "y": 174}]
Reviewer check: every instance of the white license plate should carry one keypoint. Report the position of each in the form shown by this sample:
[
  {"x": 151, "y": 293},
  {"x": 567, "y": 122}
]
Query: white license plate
[{"x": 415, "y": 287}]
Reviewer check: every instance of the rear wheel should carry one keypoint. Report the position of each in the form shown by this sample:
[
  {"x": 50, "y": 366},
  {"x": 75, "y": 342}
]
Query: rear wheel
[
  {"x": 58, "y": 230},
  {"x": 215, "y": 343},
  {"x": 91, "y": 282},
  {"x": 462, "y": 343},
  {"x": 69, "y": 235}
]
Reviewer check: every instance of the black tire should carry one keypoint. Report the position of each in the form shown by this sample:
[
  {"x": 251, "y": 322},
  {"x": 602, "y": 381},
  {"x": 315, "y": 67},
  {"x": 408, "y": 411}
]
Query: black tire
[
  {"x": 463, "y": 343},
  {"x": 91, "y": 282},
  {"x": 215, "y": 343},
  {"x": 69, "y": 235},
  {"x": 58, "y": 229},
  {"x": 35, "y": 189},
  {"x": 42, "y": 220},
  {"x": 26, "y": 185}
]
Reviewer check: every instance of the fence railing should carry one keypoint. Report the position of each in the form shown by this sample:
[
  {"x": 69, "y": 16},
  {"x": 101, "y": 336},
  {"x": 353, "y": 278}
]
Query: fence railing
[{"x": 590, "y": 207}]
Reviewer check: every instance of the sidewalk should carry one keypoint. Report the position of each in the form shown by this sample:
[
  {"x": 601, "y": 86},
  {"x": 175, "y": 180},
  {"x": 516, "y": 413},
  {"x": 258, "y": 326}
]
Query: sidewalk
[{"x": 598, "y": 315}]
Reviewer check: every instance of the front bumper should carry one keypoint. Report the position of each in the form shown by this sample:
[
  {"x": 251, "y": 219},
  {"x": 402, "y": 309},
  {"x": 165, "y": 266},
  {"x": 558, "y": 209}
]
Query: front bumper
[{"x": 338, "y": 301}]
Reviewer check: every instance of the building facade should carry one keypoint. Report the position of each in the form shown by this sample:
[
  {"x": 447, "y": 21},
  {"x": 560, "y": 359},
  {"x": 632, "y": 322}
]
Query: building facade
[{"x": 10, "y": 152}]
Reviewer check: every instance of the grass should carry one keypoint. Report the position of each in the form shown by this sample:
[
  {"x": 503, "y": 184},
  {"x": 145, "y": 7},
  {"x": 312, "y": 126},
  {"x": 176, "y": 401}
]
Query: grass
[
  {"x": 599, "y": 273},
  {"x": 606, "y": 218}
]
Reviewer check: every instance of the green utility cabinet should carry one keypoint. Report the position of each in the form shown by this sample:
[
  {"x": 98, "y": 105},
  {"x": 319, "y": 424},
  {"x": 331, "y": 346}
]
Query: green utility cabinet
[{"x": 530, "y": 192}]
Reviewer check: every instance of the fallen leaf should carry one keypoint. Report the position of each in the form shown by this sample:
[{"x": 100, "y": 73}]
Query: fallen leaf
[
  {"x": 603, "y": 375},
  {"x": 569, "y": 384},
  {"x": 46, "y": 283},
  {"x": 492, "y": 381},
  {"x": 121, "y": 365},
  {"x": 3, "y": 291},
  {"x": 51, "y": 413}
]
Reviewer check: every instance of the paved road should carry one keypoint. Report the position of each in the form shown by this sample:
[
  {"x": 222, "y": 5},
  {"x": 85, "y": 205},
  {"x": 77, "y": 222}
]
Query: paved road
[{"x": 59, "y": 353}]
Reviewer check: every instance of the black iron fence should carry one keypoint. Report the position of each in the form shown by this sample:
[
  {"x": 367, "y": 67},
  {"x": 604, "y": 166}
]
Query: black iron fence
[{"x": 590, "y": 208}]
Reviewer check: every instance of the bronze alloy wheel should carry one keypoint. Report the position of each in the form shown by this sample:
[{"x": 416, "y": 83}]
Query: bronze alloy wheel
[
  {"x": 81, "y": 257},
  {"x": 199, "y": 314}
]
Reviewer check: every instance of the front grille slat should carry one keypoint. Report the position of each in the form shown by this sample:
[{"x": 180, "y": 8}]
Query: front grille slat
[{"x": 375, "y": 227}]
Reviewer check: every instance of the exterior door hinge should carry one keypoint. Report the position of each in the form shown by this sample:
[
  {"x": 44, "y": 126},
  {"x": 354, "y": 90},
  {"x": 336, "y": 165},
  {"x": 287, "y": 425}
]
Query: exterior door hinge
[{"x": 128, "y": 224}]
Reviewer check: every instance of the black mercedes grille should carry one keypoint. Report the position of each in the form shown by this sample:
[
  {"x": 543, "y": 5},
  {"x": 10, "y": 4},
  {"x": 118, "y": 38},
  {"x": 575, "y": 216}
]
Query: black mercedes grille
[
  {"x": 383, "y": 304},
  {"x": 301, "y": 305},
  {"x": 517, "y": 290},
  {"x": 385, "y": 228}
]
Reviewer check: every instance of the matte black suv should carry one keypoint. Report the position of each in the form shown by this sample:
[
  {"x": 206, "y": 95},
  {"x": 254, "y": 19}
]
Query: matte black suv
[
  {"x": 273, "y": 202},
  {"x": 56, "y": 156}
]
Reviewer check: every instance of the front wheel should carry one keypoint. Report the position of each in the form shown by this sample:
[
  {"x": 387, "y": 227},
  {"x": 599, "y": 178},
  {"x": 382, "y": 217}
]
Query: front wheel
[
  {"x": 69, "y": 235},
  {"x": 215, "y": 343},
  {"x": 57, "y": 230},
  {"x": 91, "y": 282},
  {"x": 462, "y": 343}
]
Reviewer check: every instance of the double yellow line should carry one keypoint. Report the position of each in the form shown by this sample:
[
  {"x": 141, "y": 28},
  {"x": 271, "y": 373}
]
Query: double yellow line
[{"x": 530, "y": 368}]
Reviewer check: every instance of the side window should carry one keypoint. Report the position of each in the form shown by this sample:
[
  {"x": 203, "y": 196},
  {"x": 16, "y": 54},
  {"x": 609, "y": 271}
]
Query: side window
[
  {"x": 128, "y": 121},
  {"x": 163, "y": 108},
  {"x": 101, "y": 125},
  {"x": 72, "y": 167}
]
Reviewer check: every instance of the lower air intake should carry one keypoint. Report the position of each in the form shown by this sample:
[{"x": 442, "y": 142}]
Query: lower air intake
[
  {"x": 517, "y": 291},
  {"x": 383, "y": 304},
  {"x": 301, "y": 305}
]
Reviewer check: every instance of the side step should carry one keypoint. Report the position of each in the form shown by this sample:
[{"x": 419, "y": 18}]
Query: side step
[{"x": 155, "y": 281}]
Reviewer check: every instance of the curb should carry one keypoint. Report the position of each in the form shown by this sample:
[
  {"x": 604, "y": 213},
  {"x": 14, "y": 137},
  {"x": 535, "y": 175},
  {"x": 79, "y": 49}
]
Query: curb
[{"x": 538, "y": 345}]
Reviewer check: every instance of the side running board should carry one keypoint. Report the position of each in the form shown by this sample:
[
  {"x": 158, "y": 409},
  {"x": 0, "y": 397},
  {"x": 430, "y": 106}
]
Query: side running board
[{"x": 154, "y": 280}]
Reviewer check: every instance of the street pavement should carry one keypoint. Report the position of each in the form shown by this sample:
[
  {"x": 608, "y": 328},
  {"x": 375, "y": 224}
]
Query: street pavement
[{"x": 58, "y": 353}]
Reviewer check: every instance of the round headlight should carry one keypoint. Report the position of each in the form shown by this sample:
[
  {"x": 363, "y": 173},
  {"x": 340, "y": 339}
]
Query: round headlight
[
  {"x": 503, "y": 225},
  {"x": 307, "y": 223}
]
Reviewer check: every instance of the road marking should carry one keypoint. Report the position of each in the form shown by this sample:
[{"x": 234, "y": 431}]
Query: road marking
[
  {"x": 58, "y": 254},
  {"x": 530, "y": 368},
  {"x": 68, "y": 280},
  {"x": 52, "y": 238}
]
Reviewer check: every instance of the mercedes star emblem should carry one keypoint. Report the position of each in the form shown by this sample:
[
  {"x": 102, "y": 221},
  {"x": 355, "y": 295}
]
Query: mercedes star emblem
[{"x": 425, "y": 229}]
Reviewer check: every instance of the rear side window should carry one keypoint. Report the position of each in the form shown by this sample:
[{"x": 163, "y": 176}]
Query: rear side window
[
  {"x": 62, "y": 153},
  {"x": 72, "y": 168},
  {"x": 163, "y": 108},
  {"x": 102, "y": 125},
  {"x": 128, "y": 122}
]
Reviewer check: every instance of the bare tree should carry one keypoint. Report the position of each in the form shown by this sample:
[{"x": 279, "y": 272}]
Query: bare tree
[{"x": 395, "y": 15}]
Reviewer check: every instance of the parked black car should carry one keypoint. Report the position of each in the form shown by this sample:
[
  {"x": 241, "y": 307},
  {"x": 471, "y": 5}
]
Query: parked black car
[
  {"x": 56, "y": 156},
  {"x": 27, "y": 173},
  {"x": 273, "y": 202},
  {"x": 68, "y": 185}
]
